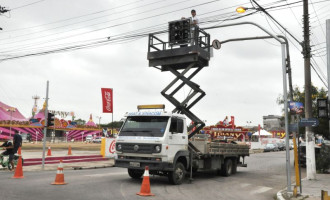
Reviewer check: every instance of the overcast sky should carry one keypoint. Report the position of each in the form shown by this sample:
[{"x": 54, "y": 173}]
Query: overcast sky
[{"x": 243, "y": 79}]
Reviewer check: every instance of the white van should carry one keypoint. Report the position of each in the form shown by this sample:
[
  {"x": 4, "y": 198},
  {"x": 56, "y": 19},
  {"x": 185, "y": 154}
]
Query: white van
[{"x": 89, "y": 138}]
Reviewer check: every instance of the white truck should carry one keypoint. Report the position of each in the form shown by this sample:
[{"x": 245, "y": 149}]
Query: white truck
[{"x": 159, "y": 140}]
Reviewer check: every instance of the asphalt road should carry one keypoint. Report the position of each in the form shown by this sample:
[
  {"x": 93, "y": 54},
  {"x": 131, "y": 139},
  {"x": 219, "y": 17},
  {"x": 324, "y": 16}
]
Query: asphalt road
[{"x": 261, "y": 180}]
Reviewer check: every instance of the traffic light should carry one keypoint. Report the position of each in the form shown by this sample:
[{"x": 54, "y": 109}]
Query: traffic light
[
  {"x": 322, "y": 108},
  {"x": 50, "y": 119},
  {"x": 179, "y": 32}
]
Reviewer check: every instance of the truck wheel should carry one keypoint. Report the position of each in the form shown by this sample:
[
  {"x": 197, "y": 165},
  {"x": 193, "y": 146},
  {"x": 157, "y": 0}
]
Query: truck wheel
[
  {"x": 135, "y": 173},
  {"x": 226, "y": 168},
  {"x": 177, "y": 176}
]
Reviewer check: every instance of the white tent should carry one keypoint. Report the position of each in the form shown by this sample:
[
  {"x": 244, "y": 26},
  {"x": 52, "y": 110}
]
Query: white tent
[{"x": 263, "y": 133}]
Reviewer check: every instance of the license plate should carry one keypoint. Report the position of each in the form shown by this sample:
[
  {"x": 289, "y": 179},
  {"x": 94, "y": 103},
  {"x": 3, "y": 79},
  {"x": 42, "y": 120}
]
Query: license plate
[{"x": 134, "y": 164}]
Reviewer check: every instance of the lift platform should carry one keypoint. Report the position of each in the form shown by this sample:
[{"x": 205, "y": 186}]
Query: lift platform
[{"x": 184, "y": 60}]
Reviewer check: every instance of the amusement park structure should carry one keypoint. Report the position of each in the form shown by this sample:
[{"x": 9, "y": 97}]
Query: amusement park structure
[{"x": 62, "y": 129}]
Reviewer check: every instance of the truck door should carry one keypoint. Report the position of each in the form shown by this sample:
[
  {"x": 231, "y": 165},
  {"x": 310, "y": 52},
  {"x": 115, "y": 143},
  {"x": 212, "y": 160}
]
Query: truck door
[{"x": 177, "y": 138}]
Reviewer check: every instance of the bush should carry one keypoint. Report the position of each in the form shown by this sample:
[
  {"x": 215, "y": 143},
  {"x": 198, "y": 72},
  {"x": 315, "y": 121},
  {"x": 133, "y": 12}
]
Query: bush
[{"x": 323, "y": 160}]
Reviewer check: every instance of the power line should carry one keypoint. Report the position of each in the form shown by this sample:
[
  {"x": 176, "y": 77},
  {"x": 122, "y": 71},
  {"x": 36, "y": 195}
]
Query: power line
[
  {"x": 120, "y": 24},
  {"x": 27, "y": 5}
]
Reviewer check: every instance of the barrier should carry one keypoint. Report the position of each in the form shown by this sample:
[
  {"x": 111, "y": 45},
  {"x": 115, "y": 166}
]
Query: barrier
[
  {"x": 59, "y": 179},
  {"x": 19, "y": 167},
  {"x": 145, "y": 187},
  {"x": 49, "y": 152}
]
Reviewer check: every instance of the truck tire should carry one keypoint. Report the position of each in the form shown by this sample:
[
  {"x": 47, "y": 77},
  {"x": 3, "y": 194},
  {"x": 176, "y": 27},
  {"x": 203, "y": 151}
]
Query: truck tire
[
  {"x": 135, "y": 173},
  {"x": 226, "y": 168},
  {"x": 177, "y": 176}
]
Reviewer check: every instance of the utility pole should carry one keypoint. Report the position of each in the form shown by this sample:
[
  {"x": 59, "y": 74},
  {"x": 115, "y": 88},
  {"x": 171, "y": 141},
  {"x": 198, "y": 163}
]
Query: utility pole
[
  {"x": 328, "y": 62},
  {"x": 310, "y": 151}
]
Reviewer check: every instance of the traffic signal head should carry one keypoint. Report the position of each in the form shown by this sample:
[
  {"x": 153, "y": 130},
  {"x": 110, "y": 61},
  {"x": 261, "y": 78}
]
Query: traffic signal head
[
  {"x": 322, "y": 108},
  {"x": 179, "y": 32},
  {"x": 50, "y": 119}
]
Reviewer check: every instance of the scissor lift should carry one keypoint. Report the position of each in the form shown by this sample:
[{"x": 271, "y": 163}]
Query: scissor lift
[{"x": 184, "y": 58}]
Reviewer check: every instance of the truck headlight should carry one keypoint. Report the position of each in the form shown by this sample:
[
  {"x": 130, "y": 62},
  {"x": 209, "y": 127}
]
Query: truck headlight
[
  {"x": 118, "y": 147},
  {"x": 157, "y": 148}
]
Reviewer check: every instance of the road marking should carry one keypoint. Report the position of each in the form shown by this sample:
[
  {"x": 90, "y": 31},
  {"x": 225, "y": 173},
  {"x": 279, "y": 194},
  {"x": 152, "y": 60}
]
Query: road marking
[
  {"x": 107, "y": 174},
  {"x": 260, "y": 190}
]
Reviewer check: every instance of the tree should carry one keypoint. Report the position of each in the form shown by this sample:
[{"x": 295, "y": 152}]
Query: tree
[
  {"x": 299, "y": 96},
  {"x": 80, "y": 121},
  {"x": 115, "y": 124}
]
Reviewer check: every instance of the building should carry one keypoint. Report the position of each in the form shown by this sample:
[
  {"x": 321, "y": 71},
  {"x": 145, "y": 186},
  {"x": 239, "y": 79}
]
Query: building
[{"x": 273, "y": 122}]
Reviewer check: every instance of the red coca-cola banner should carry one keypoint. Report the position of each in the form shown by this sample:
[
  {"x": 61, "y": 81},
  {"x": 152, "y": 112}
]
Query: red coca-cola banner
[{"x": 107, "y": 100}]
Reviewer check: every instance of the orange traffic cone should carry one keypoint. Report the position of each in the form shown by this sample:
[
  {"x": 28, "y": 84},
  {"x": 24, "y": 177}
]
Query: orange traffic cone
[
  {"x": 49, "y": 152},
  {"x": 19, "y": 169},
  {"x": 19, "y": 151},
  {"x": 69, "y": 151},
  {"x": 59, "y": 179},
  {"x": 145, "y": 187}
]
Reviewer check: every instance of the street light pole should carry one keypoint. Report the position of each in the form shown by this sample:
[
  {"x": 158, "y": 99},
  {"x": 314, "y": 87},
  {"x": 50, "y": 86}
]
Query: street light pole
[
  {"x": 82, "y": 137},
  {"x": 99, "y": 117},
  {"x": 288, "y": 169}
]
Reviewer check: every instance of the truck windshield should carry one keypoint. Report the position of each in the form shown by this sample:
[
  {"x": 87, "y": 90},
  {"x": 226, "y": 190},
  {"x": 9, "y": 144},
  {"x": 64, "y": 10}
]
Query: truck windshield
[{"x": 150, "y": 126}]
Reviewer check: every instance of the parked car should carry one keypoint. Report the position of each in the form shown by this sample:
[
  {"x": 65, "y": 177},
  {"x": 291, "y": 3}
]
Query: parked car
[
  {"x": 89, "y": 138},
  {"x": 281, "y": 146},
  {"x": 270, "y": 147},
  {"x": 302, "y": 153},
  {"x": 291, "y": 145},
  {"x": 97, "y": 140}
]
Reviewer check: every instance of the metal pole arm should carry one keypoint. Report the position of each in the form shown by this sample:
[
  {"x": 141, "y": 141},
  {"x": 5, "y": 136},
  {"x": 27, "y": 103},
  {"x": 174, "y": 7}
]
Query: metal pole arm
[{"x": 245, "y": 23}]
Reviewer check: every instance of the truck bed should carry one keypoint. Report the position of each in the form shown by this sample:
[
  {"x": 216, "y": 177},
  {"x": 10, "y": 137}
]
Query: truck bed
[{"x": 206, "y": 147}]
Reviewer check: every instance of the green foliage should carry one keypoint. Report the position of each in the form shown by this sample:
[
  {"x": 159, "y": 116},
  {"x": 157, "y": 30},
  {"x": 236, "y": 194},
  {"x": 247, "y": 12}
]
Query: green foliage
[
  {"x": 115, "y": 124},
  {"x": 80, "y": 121},
  {"x": 299, "y": 96},
  {"x": 323, "y": 159}
]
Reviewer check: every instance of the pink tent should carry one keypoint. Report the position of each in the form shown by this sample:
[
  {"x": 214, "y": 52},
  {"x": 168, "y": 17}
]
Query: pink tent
[
  {"x": 40, "y": 115},
  {"x": 90, "y": 122},
  {"x": 8, "y": 115}
]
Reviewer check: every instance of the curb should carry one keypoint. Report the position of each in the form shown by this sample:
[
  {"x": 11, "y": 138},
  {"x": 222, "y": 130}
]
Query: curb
[
  {"x": 279, "y": 195},
  {"x": 99, "y": 167}
]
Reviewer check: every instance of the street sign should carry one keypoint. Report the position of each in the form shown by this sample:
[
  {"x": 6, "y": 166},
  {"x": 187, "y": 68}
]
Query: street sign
[
  {"x": 293, "y": 127},
  {"x": 309, "y": 122},
  {"x": 216, "y": 44}
]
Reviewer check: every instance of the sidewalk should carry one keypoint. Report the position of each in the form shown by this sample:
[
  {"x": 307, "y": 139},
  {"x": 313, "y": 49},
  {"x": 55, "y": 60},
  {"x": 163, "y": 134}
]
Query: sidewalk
[
  {"x": 311, "y": 189},
  {"x": 29, "y": 154}
]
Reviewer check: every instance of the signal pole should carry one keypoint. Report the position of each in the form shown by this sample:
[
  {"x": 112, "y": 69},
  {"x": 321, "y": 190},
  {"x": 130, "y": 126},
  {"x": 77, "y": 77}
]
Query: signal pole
[{"x": 45, "y": 129}]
